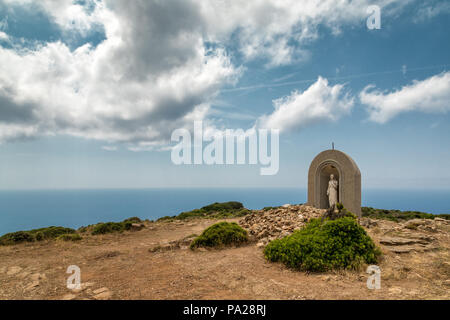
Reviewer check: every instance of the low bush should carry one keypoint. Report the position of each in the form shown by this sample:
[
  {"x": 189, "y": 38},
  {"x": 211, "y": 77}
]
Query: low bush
[
  {"x": 133, "y": 220},
  {"x": 34, "y": 235},
  {"x": 397, "y": 215},
  {"x": 325, "y": 245},
  {"x": 221, "y": 234},
  {"x": 110, "y": 227},
  {"x": 69, "y": 237},
  {"x": 216, "y": 210}
]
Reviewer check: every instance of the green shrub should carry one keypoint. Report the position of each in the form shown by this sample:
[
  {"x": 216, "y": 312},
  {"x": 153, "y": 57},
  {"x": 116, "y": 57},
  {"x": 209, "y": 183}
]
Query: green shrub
[
  {"x": 34, "y": 235},
  {"x": 51, "y": 232},
  {"x": 133, "y": 220},
  {"x": 216, "y": 210},
  {"x": 397, "y": 215},
  {"x": 224, "y": 206},
  {"x": 16, "y": 237},
  {"x": 69, "y": 237},
  {"x": 110, "y": 227},
  {"x": 221, "y": 234},
  {"x": 322, "y": 246}
]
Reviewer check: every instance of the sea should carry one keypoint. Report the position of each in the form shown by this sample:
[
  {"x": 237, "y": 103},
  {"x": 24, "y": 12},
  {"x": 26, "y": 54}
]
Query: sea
[{"x": 26, "y": 210}]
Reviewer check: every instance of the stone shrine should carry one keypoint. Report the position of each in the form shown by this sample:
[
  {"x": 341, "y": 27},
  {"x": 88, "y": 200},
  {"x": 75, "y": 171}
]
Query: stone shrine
[{"x": 334, "y": 177}]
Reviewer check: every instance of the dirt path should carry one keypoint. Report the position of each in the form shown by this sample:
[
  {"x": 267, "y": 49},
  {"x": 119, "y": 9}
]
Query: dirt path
[{"x": 120, "y": 266}]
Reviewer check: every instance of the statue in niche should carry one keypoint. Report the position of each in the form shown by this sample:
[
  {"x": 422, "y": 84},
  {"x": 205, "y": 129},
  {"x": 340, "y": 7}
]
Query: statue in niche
[{"x": 332, "y": 191}]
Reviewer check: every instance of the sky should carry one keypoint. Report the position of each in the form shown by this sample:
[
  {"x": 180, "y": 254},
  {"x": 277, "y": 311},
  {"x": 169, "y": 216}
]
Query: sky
[{"x": 91, "y": 91}]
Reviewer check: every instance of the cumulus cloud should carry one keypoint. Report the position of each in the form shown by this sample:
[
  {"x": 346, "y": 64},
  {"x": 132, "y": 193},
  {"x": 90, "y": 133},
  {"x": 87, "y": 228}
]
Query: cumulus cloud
[
  {"x": 430, "y": 9},
  {"x": 320, "y": 102},
  {"x": 137, "y": 86},
  {"x": 431, "y": 95},
  {"x": 154, "y": 71}
]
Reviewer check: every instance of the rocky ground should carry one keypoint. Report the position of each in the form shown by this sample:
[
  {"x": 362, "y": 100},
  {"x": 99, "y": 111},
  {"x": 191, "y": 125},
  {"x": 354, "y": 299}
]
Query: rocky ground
[{"x": 155, "y": 263}]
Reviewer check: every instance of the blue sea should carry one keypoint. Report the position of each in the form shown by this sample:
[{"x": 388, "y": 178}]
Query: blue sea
[{"x": 24, "y": 210}]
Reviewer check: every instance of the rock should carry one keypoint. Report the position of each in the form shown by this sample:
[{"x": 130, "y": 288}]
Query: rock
[
  {"x": 279, "y": 222},
  {"x": 368, "y": 223},
  {"x": 69, "y": 296},
  {"x": 13, "y": 270},
  {"x": 396, "y": 241},
  {"x": 137, "y": 227},
  {"x": 84, "y": 286},
  {"x": 395, "y": 290},
  {"x": 101, "y": 290},
  {"x": 24, "y": 274},
  {"x": 103, "y": 296},
  {"x": 260, "y": 244},
  {"x": 32, "y": 285},
  {"x": 38, "y": 276},
  {"x": 415, "y": 223}
]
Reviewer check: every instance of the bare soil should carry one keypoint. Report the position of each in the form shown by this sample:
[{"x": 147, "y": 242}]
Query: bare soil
[{"x": 121, "y": 266}]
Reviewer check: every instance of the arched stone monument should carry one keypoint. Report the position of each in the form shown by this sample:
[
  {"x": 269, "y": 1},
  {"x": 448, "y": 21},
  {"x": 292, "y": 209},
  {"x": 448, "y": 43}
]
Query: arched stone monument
[{"x": 346, "y": 188}]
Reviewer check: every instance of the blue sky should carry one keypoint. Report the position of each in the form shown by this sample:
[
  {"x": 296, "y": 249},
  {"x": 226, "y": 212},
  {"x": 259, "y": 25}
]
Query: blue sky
[{"x": 91, "y": 90}]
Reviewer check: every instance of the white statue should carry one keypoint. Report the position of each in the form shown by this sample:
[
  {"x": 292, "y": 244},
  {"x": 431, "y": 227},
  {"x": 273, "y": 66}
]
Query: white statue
[{"x": 332, "y": 191}]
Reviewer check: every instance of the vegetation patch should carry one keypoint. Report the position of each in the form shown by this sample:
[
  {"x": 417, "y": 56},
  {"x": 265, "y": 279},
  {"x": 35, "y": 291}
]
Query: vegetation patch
[
  {"x": 221, "y": 234},
  {"x": 69, "y": 237},
  {"x": 216, "y": 210},
  {"x": 397, "y": 215},
  {"x": 111, "y": 227},
  {"x": 325, "y": 245},
  {"x": 133, "y": 220},
  {"x": 34, "y": 235}
]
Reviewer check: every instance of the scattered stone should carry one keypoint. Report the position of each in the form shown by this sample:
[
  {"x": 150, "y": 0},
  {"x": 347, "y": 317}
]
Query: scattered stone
[
  {"x": 69, "y": 296},
  {"x": 326, "y": 278},
  {"x": 23, "y": 275},
  {"x": 172, "y": 245},
  {"x": 102, "y": 294},
  {"x": 277, "y": 223},
  {"x": 407, "y": 242},
  {"x": 395, "y": 290},
  {"x": 415, "y": 223},
  {"x": 38, "y": 276},
  {"x": 368, "y": 223},
  {"x": 260, "y": 244},
  {"x": 398, "y": 241},
  {"x": 32, "y": 285},
  {"x": 101, "y": 290},
  {"x": 137, "y": 227},
  {"x": 86, "y": 285},
  {"x": 13, "y": 270}
]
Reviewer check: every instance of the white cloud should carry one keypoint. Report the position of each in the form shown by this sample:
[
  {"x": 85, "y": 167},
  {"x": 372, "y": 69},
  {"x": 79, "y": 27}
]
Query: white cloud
[
  {"x": 431, "y": 9},
  {"x": 320, "y": 102},
  {"x": 431, "y": 95},
  {"x": 110, "y": 148},
  {"x": 4, "y": 36},
  {"x": 153, "y": 73},
  {"x": 137, "y": 86}
]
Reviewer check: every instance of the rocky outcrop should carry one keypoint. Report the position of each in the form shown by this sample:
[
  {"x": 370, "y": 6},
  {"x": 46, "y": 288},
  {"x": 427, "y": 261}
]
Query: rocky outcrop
[
  {"x": 416, "y": 235},
  {"x": 275, "y": 223},
  {"x": 172, "y": 245}
]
